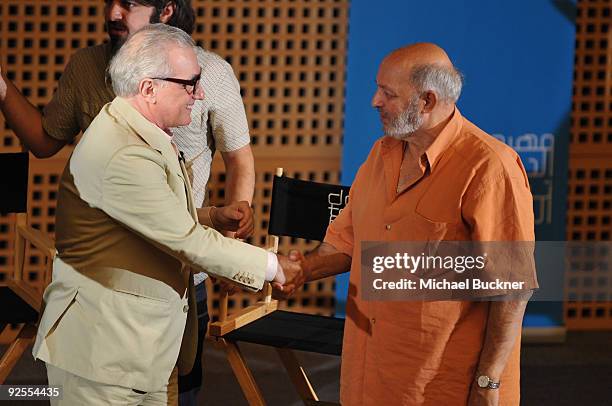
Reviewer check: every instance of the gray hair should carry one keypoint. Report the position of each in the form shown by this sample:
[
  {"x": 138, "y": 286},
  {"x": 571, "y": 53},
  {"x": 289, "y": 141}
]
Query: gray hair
[
  {"x": 145, "y": 55},
  {"x": 443, "y": 81}
]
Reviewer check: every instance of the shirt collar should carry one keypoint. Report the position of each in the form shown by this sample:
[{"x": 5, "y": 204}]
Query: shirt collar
[
  {"x": 440, "y": 144},
  {"x": 152, "y": 134},
  {"x": 444, "y": 139}
]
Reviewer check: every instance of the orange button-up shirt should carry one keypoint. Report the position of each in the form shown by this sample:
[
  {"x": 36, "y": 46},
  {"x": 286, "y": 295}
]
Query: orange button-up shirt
[{"x": 426, "y": 353}]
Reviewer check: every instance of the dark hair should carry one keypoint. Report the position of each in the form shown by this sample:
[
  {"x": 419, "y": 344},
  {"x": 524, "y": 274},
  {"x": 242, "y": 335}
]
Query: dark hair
[{"x": 183, "y": 16}]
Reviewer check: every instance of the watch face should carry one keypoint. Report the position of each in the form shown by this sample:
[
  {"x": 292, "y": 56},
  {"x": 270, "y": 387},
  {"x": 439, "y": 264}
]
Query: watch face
[{"x": 483, "y": 381}]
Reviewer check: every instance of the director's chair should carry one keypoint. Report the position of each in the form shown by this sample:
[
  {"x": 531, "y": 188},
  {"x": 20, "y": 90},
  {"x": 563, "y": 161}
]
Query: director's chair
[
  {"x": 299, "y": 209},
  {"x": 20, "y": 302}
]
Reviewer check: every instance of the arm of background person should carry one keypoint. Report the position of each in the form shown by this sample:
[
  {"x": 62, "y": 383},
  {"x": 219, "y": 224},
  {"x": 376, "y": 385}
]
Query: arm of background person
[
  {"x": 26, "y": 121},
  {"x": 240, "y": 174},
  {"x": 230, "y": 130},
  {"x": 235, "y": 218},
  {"x": 240, "y": 177}
]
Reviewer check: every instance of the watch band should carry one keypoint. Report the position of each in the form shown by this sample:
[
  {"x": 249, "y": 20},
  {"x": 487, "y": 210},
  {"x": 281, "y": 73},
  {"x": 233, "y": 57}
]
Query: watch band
[{"x": 493, "y": 385}]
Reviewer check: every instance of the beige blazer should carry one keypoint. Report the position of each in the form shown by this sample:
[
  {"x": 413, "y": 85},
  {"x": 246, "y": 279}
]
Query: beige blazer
[{"x": 128, "y": 240}]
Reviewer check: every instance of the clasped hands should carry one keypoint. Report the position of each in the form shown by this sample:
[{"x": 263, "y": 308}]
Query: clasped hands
[
  {"x": 236, "y": 217},
  {"x": 291, "y": 275}
]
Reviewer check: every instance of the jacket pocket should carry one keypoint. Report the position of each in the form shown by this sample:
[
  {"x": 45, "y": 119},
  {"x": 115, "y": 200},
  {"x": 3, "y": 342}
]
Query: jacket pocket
[{"x": 138, "y": 296}]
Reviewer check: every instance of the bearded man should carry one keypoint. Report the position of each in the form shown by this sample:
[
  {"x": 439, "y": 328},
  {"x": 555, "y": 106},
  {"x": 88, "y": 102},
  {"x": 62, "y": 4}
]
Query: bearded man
[{"x": 434, "y": 176}]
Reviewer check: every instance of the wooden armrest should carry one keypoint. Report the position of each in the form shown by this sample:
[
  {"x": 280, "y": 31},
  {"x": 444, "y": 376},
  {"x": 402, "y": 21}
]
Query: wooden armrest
[
  {"x": 27, "y": 292},
  {"x": 242, "y": 318},
  {"x": 38, "y": 239}
]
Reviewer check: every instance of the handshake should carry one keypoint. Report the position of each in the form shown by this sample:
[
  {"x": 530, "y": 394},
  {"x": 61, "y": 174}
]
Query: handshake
[{"x": 290, "y": 275}]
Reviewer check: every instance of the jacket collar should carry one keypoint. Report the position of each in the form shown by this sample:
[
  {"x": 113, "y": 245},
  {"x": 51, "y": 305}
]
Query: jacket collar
[{"x": 151, "y": 134}]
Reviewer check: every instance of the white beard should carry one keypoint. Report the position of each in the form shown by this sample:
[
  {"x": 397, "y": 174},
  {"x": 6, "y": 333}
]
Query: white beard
[{"x": 407, "y": 122}]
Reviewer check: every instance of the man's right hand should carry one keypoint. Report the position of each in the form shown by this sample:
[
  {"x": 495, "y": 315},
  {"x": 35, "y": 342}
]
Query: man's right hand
[{"x": 236, "y": 217}]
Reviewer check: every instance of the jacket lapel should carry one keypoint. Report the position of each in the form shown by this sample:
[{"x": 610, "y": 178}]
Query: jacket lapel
[{"x": 190, "y": 202}]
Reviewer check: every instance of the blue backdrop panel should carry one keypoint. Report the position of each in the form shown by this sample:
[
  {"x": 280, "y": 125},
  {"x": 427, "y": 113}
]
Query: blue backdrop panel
[{"x": 517, "y": 59}]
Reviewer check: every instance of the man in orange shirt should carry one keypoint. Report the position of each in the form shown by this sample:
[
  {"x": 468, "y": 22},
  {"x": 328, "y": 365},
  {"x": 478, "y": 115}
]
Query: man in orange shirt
[{"x": 434, "y": 176}]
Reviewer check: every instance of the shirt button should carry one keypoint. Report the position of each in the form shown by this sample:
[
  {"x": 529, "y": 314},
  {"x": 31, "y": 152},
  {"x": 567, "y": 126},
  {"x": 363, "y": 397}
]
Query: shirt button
[
  {"x": 185, "y": 308},
  {"x": 373, "y": 320},
  {"x": 388, "y": 226}
]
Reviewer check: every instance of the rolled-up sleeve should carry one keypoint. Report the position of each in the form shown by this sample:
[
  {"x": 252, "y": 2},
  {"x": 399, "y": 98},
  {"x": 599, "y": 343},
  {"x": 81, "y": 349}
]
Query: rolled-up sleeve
[
  {"x": 60, "y": 116},
  {"x": 340, "y": 232}
]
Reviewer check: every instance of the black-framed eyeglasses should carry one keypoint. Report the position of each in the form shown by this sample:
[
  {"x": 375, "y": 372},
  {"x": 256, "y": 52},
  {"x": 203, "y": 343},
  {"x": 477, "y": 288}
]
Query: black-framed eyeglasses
[{"x": 190, "y": 85}]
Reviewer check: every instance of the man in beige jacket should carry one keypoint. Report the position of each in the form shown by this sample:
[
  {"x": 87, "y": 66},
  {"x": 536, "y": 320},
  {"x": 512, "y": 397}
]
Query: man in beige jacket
[{"x": 128, "y": 239}]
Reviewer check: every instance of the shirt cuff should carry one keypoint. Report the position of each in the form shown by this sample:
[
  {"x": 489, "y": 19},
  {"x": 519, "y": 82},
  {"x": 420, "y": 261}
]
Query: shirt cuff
[
  {"x": 199, "y": 278},
  {"x": 272, "y": 267}
]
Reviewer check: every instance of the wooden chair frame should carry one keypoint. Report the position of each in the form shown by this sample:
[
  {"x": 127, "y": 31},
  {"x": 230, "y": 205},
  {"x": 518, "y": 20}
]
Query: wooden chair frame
[
  {"x": 245, "y": 378},
  {"x": 25, "y": 235}
]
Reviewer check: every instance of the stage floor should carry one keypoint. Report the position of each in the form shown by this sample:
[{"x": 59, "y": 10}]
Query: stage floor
[{"x": 576, "y": 372}]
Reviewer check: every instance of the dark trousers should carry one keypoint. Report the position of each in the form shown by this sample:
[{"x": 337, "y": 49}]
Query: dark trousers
[{"x": 193, "y": 381}]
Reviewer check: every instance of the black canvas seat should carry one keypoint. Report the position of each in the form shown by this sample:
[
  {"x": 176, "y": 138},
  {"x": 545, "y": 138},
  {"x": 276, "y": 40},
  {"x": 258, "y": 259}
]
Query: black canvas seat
[{"x": 295, "y": 331}]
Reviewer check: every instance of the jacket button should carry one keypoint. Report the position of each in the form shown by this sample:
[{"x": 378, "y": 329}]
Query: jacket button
[
  {"x": 388, "y": 226},
  {"x": 185, "y": 308}
]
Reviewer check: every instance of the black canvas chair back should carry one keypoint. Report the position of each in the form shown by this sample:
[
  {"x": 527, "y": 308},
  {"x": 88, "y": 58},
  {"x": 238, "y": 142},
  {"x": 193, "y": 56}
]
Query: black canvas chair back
[
  {"x": 14, "y": 182},
  {"x": 304, "y": 209}
]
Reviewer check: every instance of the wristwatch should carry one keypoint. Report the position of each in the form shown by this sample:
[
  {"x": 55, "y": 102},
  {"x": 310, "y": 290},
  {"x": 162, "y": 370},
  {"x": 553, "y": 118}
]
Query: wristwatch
[{"x": 485, "y": 382}]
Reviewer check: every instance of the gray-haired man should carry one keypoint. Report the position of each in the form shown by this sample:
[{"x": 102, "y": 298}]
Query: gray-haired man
[
  {"x": 218, "y": 121},
  {"x": 128, "y": 234}
]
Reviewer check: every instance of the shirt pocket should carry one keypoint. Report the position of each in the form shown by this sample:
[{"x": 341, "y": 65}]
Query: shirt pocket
[
  {"x": 434, "y": 233},
  {"x": 432, "y": 230}
]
